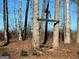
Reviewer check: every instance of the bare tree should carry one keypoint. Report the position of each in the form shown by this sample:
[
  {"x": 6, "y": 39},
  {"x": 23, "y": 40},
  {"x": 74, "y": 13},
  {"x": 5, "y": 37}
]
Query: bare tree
[
  {"x": 41, "y": 23},
  {"x": 67, "y": 23},
  {"x": 35, "y": 40},
  {"x": 77, "y": 21},
  {"x": 55, "y": 43},
  {"x": 19, "y": 20},
  {"x": 15, "y": 24},
  {"x": 5, "y": 18},
  {"x": 26, "y": 17}
]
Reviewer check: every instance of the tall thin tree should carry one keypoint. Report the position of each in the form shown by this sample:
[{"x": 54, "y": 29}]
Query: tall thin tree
[
  {"x": 15, "y": 19},
  {"x": 55, "y": 43},
  {"x": 41, "y": 23},
  {"x": 26, "y": 17},
  {"x": 5, "y": 13},
  {"x": 67, "y": 23},
  {"x": 46, "y": 24},
  {"x": 64, "y": 12},
  {"x": 19, "y": 20},
  {"x": 77, "y": 21}
]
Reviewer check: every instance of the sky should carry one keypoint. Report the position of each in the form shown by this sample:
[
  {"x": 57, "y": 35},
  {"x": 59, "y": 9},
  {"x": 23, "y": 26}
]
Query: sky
[{"x": 73, "y": 13}]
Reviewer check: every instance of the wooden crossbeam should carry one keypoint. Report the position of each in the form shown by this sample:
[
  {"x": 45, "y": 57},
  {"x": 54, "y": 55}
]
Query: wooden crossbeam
[{"x": 49, "y": 20}]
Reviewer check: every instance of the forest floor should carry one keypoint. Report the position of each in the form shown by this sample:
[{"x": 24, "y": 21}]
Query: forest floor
[{"x": 65, "y": 51}]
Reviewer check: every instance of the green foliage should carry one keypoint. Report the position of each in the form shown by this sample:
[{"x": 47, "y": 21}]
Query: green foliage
[{"x": 24, "y": 53}]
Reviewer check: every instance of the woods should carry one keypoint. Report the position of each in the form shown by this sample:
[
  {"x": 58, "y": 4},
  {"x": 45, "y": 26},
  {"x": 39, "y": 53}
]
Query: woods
[{"x": 34, "y": 17}]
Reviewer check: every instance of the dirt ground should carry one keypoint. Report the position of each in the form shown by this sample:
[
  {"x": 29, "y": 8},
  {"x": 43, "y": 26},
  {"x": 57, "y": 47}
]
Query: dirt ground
[{"x": 65, "y": 51}]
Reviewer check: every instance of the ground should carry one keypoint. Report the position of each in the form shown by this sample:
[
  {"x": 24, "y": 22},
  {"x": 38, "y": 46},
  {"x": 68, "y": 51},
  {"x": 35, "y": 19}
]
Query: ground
[{"x": 65, "y": 51}]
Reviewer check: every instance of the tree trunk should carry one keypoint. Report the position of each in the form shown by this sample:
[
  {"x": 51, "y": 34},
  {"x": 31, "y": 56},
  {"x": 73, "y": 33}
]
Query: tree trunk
[
  {"x": 46, "y": 24},
  {"x": 35, "y": 40},
  {"x": 77, "y": 22},
  {"x": 5, "y": 13},
  {"x": 26, "y": 17},
  {"x": 19, "y": 20},
  {"x": 67, "y": 24},
  {"x": 40, "y": 22},
  {"x": 55, "y": 43},
  {"x": 15, "y": 19},
  {"x": 64, "y": 12}
]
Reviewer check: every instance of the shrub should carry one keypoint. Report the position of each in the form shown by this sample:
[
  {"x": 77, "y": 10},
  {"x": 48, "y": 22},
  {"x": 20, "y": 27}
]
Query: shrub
[
  {"x": 34, "y": 52},
  {"x": 24, "y": 53}
]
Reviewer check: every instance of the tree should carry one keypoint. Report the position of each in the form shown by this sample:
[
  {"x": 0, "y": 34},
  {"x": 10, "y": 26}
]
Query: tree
[
  {"x": 5, "y": 18},
  {"x": 77, "y": 21},
  {"x": 77, "y": 2},
  {"x": 55, "y": 43},
  {"x": 67, "y": 23},
  {"x": 64, "y": 12},
  {"x": 35, "y": 40},
  {"x": 19, "y": 20},
  {"x": 26, "y": 17},
  {"x": 40, "y": 22},
  {"x": 15, "y": 24}
]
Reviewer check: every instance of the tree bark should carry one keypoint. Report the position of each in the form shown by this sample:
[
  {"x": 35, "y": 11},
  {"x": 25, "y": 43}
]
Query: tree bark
[
  {"x": 55, "y": 43},
  {"x": 46, "y": 24},
  {"x": 67, "y": 23},
  {"x": 77, "y": 22},
  {"x": 35, "y": 40},
  {"x": 26, "y": 17},
  {"x": 19, "y": 20},
  {"x": 5, "y": 13}
]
